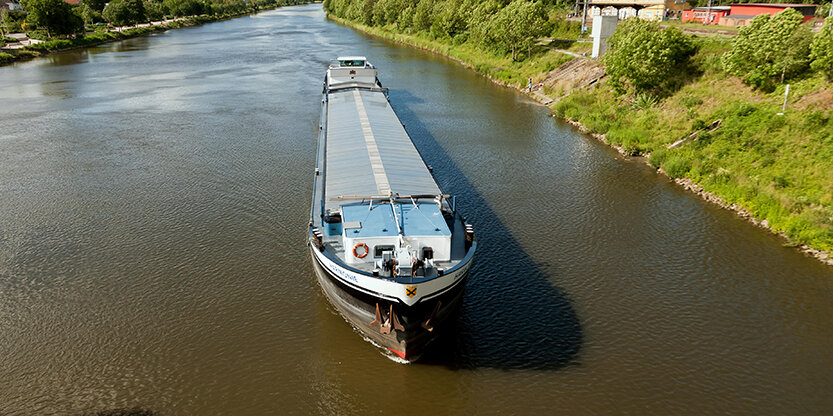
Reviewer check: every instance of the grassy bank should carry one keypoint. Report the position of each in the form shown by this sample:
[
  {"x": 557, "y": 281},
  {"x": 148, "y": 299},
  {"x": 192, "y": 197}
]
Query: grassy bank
[
  {"x": 56, "y": 45},
  {"x": 499, "y": 67},
  {"x": 776, "y": 168},
  {"x": 97, "y": 38}
]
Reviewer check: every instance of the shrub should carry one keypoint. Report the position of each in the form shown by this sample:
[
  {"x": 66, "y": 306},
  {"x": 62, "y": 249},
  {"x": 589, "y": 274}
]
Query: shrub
[
  {"x": 657, "y": 157},
  {"x": 780, "y": 181},
  {"x": 690, "y": 101},
  {"x": 821, "y": 50},
  {"x": 770, "y": 49},
  {"x": 676, "y": 167},
  {"x": 57, "y": 16},
  {"x": 644, "y": 56},
  {"x": 644, "y": 101},
  {"x": 5, "y": 58},
  {"x": 51, "y": 45}
]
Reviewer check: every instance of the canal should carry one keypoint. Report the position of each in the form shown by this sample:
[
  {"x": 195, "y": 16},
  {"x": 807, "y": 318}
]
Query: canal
[{"x": 154, "y": 195}]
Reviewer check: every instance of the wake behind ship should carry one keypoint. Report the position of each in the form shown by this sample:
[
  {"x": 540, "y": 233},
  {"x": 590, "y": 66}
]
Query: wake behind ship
[{"x": 390, "y": 250}]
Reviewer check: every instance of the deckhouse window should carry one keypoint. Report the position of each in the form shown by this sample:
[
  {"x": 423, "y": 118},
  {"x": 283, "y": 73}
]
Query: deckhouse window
[
  {"x": 351, "y": 62},
  {"x": 381, "y": 249}
]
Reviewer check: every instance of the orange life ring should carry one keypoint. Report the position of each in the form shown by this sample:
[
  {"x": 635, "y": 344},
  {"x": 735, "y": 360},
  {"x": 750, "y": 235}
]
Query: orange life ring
[{"x": 366, "y": 250}]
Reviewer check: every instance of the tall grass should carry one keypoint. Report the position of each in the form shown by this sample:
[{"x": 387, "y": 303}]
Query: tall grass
[{"x": 777, "y": 167}]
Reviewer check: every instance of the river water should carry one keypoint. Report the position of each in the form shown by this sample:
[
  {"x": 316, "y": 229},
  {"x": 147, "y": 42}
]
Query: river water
[{"x": 154, "y": 195}]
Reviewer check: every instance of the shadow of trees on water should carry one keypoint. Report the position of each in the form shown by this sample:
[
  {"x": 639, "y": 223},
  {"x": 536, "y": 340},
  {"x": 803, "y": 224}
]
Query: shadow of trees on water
[
  {"x": 511, "y": 316},
  {"x": 123, "y": 412}
]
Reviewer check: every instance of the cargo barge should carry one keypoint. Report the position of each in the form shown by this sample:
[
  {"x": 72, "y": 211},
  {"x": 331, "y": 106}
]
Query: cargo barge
[{"x": 390, "y": 251}]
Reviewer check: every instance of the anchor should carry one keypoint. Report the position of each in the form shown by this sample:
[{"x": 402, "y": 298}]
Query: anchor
[
  {"x": 391, "y": 322},
  {"x": 378, "y": 320},
  {"x": 428, "y": 324},
  {"x": 396, "y": 325}
]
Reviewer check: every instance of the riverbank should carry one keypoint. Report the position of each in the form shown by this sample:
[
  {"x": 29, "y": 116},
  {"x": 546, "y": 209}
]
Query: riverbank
[
  {"x": 35, "y": 50},
  {"x": 9, "y": 56},
  {"x": 771, "y": 169}
]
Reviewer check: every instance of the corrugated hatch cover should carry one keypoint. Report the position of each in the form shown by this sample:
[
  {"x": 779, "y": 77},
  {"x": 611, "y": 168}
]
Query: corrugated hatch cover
[{"x": 368, "y": 151}]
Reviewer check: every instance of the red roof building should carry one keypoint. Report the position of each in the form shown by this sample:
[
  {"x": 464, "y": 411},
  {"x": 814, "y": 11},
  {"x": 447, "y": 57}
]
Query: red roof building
[
  {"x": 707, "y": 15},
  {"x": 741, "y": 14}
]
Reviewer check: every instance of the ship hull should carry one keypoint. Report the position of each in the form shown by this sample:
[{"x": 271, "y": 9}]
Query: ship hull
[{"x": 359, "y": 309}]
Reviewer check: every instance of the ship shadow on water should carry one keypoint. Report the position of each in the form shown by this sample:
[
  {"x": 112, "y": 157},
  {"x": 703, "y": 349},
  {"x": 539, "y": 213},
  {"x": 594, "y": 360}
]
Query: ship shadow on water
[{"x": 511, "y": 316}]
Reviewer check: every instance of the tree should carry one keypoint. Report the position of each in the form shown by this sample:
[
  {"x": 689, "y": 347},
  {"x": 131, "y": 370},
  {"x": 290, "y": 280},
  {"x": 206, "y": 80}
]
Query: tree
[
  {"x": 379, "y": 9},
  {"x": 480, "y": 22},
  {"x": 423, "y": 15},
  {"x": 56, "y": 16},
  {"x": 644, "y": 57},
  {"x": 155, "y": 10},
  {"x": 821, "y": 50},
  {"x": 406, "y": 18},
  {"x": 453, "y": 18},
  {"x": 90, "y": 15},
  {"x": 97, "y": 5},
  {"x": 518, "y": 24},
  {"x": 181, "y": 8},
  {"x": 770, "y": 48},
  {"x": 124, "y": 12},
  {"x": 137, "y": 10},
  {"x": 4, "y": 17}
]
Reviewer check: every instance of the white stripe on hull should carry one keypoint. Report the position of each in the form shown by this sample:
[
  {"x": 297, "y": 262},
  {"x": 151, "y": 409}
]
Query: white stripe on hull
[{"x": 391, "y": 290}]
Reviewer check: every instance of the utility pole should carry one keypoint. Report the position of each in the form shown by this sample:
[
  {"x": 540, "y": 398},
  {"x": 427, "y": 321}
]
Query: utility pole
[
  {"x": 709, "y": 14},
  {"x": 831, "y": 10},
  {"x": 584, "y": 17}
]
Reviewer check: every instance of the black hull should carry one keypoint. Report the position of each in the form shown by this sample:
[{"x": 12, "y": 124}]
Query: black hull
[{"x": 359, "y": 309}]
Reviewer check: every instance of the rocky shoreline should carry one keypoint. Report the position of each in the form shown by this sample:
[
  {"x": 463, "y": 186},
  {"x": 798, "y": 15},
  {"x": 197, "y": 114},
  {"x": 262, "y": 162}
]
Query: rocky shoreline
[{"x": 695, "y": 188}]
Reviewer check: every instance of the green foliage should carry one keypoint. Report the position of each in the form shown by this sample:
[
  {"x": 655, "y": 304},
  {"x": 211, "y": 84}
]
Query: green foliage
[
  {"x": 480, "y": 23},
  {"x": 657, "y": 157},
  {"x": 423, "y": 15},
  {"x": 4, "y": 16},
  {"x": 13, "y": 20},
  {"x": 642, "y": 56},
  {"x": 97, "y": 5},
  {"x": 453, "y": 18},
  {"x": 180, "y": 8},
  {"x": 564, "y": 29},
  {"x": 517, "y": 25},
  {"x": 776, "y": 167},
  {"x": 644, "y": 100},
  {"x": 770, "y": 49},
  {"x": 55, "y": 16},
  {"x": 156, "y": 10},
  {"x": 124, "y": 12},
  {"x": 676, "y": 167},
  {"x": 821, "y": 50},
  {"x": 6, "y": 58},
  {"x": 52, "y": 45},
  {"x": 90, "y": 15}
]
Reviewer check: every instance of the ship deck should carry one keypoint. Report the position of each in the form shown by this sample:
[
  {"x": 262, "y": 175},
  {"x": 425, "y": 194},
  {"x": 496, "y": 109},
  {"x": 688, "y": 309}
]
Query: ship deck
[
  {"x": 368, "y": 152},
  {"x": 365, "y": 157}
]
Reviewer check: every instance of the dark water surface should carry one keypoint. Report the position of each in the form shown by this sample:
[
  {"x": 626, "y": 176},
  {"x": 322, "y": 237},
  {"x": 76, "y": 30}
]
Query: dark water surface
[{"x": 153, "y": 200}]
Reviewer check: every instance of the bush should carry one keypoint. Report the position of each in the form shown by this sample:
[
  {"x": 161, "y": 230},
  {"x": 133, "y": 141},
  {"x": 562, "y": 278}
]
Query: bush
[
  {"x": 770, "y": 49},
  {"x": 644, "y": 101},
  {"x": 37, "y": 35},
  {"x": 690, "y": 101},
  {"x": 821, "y": 50},
  {"x": 51, "y": 45},
  {"x": 657, "y": 157},
  {"x": 645, "y": 57},
  {"x": 677, "y": 167},
  {"x": 5, "y": 58}
]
